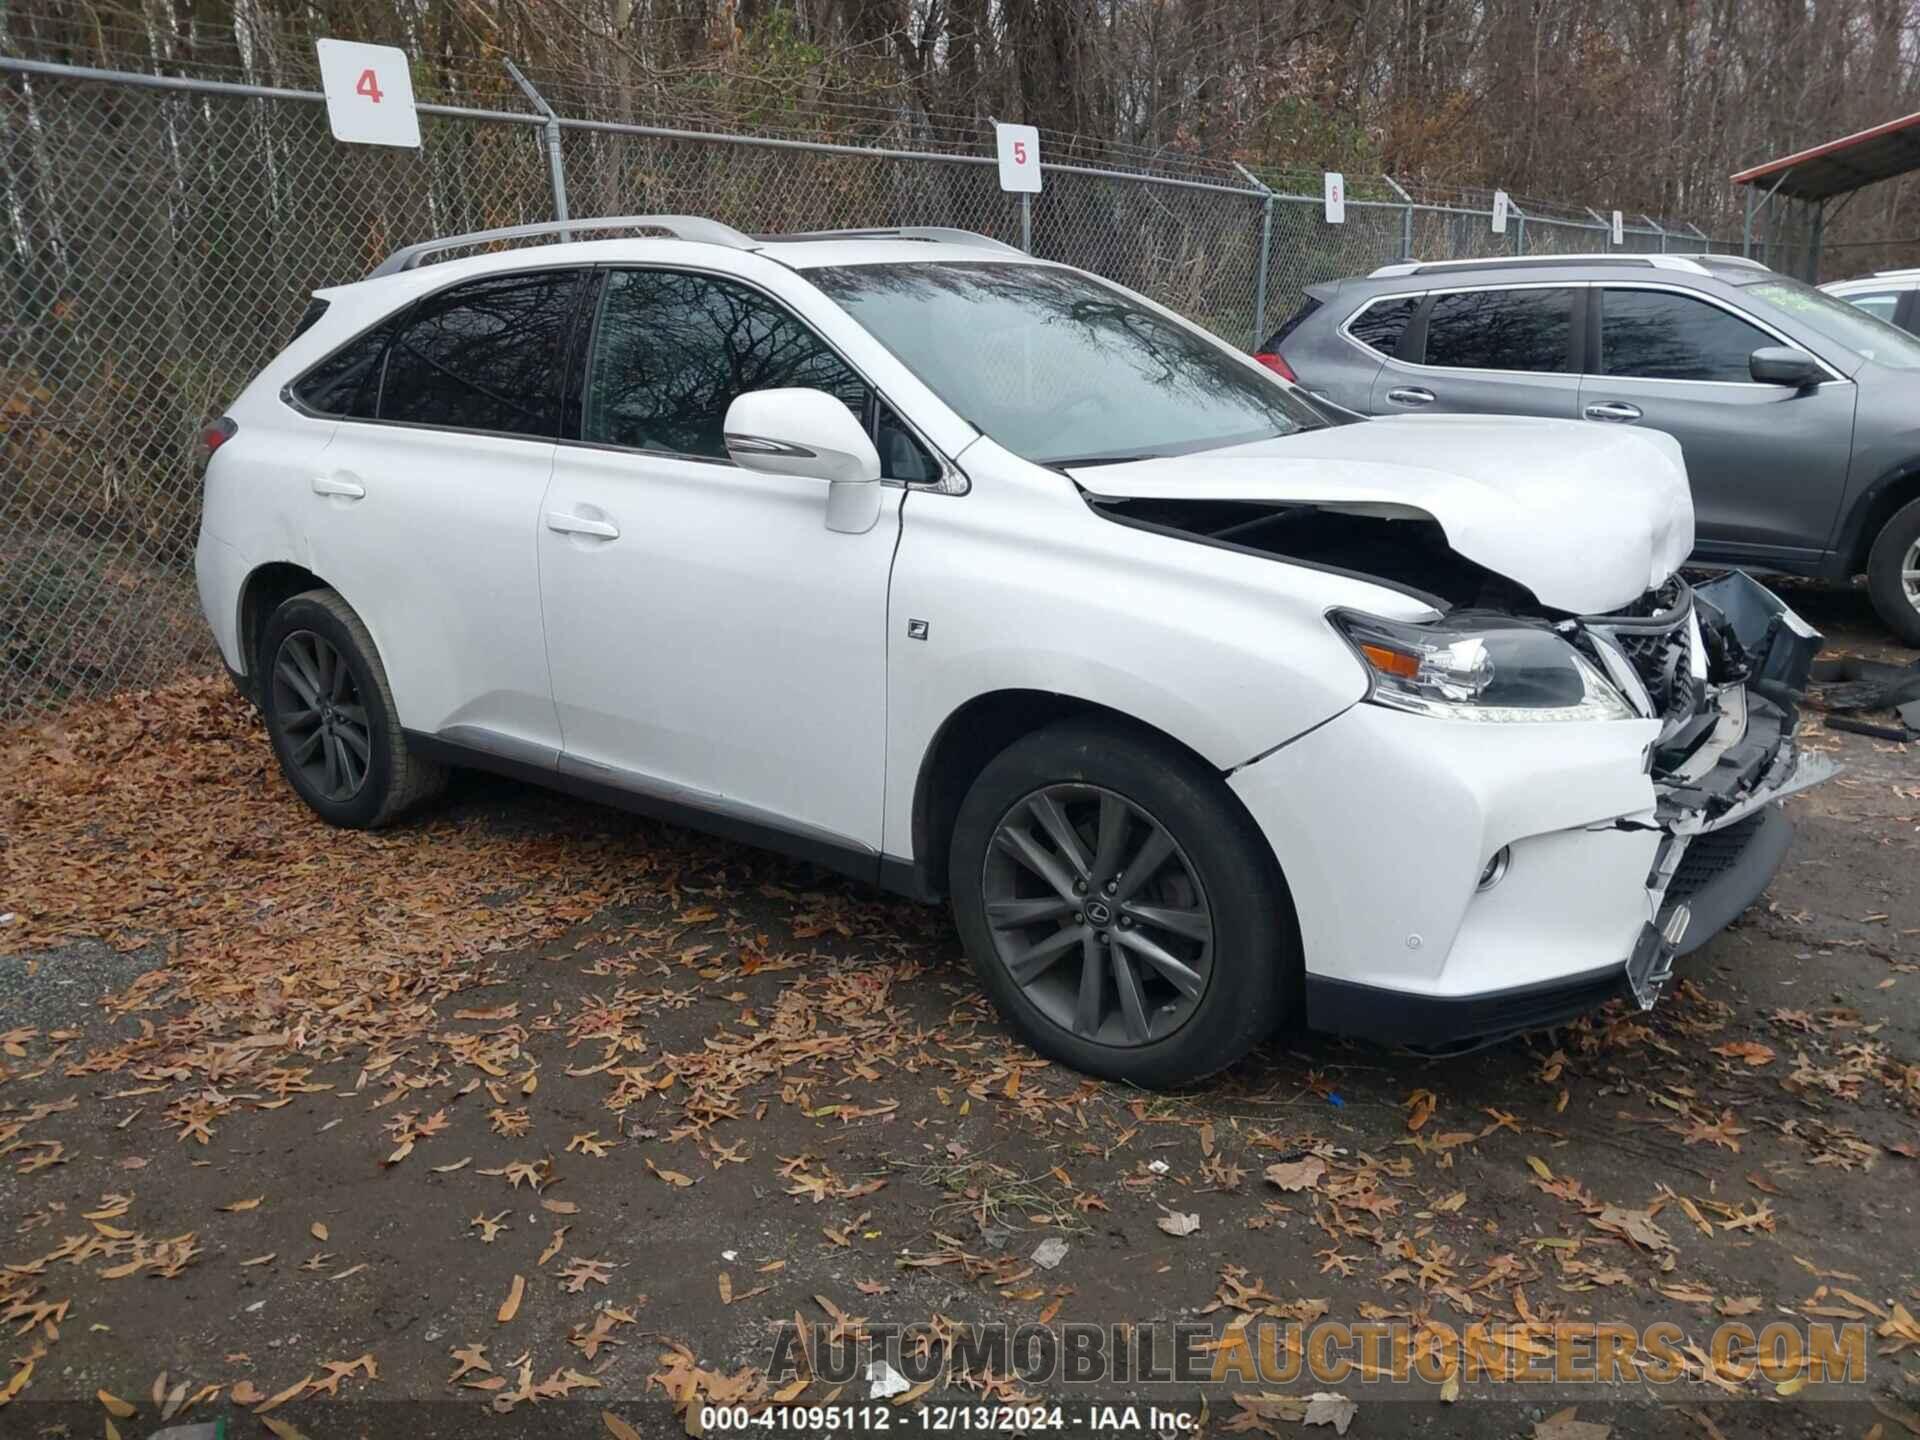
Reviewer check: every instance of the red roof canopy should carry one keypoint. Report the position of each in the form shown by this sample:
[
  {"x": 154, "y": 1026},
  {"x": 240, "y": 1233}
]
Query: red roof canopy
[{"x": 1842, "y": 165}]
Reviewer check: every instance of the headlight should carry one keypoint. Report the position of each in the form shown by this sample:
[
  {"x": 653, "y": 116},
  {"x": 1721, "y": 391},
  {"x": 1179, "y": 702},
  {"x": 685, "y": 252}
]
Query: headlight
[{"x": 1479, "y": 671}]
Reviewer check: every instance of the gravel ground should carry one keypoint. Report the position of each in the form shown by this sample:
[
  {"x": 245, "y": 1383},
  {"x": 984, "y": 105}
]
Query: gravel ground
[{"x": 684, "y": 1105}]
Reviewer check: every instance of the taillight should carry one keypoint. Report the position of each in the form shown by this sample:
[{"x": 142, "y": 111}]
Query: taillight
[
  {"x": 1279, "y": 367},
  {"x": 218, "y": 432}
]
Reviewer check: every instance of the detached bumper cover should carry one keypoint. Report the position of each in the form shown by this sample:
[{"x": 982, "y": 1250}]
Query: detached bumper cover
[{"x": 1627, "y": 843}]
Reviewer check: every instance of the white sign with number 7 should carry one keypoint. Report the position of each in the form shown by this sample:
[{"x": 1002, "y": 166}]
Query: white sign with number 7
[
  {"x": 369, "y": 94},
  {"x": 1019, "y": 157}
]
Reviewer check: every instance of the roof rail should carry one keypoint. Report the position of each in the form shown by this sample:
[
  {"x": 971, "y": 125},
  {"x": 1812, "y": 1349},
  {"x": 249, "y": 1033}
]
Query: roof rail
[
  {"x": 681, "y": 227},
  {"x": 1737, "y": 262},
  {"x": 1895, "y": 274},
  {"x": 1517, "y": 262},
  {"x": 944, "y": 234}
]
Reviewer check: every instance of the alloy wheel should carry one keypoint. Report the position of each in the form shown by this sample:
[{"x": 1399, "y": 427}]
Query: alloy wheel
[
  {"x": 320, "y": 715},
  {"x": 1910, "y": 574},
  {"x": 1098, "y": 915}
]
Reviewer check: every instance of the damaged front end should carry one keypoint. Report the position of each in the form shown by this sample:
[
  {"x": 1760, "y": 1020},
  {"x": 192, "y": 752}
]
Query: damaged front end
[{"x": 1722, "y": 667}]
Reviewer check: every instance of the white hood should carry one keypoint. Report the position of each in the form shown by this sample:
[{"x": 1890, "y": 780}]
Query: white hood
[{"x": 1586, "y": 516}]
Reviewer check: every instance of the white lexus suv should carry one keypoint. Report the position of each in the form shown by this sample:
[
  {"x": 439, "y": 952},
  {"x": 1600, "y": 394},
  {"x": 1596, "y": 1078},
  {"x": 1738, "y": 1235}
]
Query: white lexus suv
[{"x": 975, "y": 576}]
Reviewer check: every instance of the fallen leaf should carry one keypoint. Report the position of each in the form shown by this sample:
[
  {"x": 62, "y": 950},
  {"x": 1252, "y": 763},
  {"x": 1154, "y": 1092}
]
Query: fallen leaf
[
  {"x": 242, "y": 1205},
  {"x": 510, "y": 1307},
  {"x": 1303, "y": 1174},
  {"x": 318, "y": 1231},
  {"x": 618, "y": 1428},
  {"x": 1174, "y": 1223},
  {"x": 116, "y": 1407},
  {"x": 1328, "y": 1408}
]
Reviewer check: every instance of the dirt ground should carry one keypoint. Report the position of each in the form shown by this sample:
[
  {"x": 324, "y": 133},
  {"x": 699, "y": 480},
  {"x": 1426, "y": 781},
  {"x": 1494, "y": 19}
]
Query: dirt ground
[{"x": 529, "y": 1111}]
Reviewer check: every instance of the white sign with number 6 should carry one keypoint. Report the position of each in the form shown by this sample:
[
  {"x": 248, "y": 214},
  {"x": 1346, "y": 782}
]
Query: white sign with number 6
[
  {"x": 369, "y": 94},
  {"x": 1336, "y": 197},
  {"x": 1019, "y": 157}
]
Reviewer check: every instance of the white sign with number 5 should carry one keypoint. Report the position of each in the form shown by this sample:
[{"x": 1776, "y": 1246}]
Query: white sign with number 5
[
  {"x": 1019, "y": 157},
  {"x": 369, "y": 94}
]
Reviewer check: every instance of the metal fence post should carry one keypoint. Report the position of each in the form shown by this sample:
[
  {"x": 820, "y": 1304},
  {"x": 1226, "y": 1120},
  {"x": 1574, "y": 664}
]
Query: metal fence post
[
  {"x": 1026, "y": 221},
  {"x": 556, "y": 167},
  {"x": 1520, "y": 231},
  {"x": 1406, "y": 218},
  {"x": 1266, "y": 255},
  {"x": 1656, "y": 230}
]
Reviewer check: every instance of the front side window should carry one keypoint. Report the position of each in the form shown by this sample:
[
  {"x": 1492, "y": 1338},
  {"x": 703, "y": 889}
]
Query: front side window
[
  {"x": 1058, "y": 367},
  {"x": 1502, "y": 330},
  {"x": 672, "y": 351},
  {"x": 1383, "y": 324},
  {"x": 485, "y": 355},
  {"x": 1659, "y": 335}
]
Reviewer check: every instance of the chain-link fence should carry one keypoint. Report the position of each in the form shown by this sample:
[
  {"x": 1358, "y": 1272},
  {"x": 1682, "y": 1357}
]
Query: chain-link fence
[{"x": 162, "y": 235}]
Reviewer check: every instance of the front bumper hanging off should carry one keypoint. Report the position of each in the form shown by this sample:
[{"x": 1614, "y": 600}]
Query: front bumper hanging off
[{"x": 1631, "y": 843}]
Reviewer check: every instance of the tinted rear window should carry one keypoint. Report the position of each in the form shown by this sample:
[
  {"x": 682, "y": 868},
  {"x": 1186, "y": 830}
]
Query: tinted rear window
[
  {"x": 1383, "y": 324},
  {"x": 347, "y": 382},
  {"x": 1502, "y": 330},
  {"x": 1294, "y": 322},
  {"x": 486, "y": 355}
]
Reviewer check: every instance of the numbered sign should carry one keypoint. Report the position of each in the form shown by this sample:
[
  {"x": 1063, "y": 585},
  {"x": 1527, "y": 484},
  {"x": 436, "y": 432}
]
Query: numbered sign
[
  {"x": 369, "y": 94},
  {"x": 1019, "y": 157},
  {"x": 1619, "y": 228},
  {"x": 1499, "y": 212},
  {"x": 1336, "y": 187}
]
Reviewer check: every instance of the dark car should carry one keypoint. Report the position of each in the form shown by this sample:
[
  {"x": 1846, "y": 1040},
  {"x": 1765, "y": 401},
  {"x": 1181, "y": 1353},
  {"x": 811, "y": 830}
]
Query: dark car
[{"x": 1799, "y": 414}]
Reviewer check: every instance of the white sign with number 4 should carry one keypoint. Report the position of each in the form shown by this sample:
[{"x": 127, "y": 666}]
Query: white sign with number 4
[
  {"x": 369, "y": 94},
  {"x": 1019, "y": 157}
]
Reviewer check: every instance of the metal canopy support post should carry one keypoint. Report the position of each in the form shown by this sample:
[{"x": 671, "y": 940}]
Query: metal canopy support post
[
  {"x": 1754, "y": 208},
  {"x": 1266, "y": 254},
  {"x": 1406, "y": 218},
  {"x": 556, "y": 167},
  {"x": 1818, "y": 234}
]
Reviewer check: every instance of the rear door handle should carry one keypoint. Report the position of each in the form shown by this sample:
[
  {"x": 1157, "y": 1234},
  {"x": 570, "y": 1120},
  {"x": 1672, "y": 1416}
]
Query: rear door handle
[
  {"x": 331, "y": 485},
  {"x": 1412, "y": 395},
  {"x": 1616, "y": 410},
  {"x": 578, "y": 525}
]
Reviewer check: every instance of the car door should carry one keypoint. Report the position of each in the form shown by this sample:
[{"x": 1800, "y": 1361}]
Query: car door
[
  {"x": 424, "y": 505},
  {"x": 1768, "y": 463},
  {"x": 1883, "y": 304},
  {"x": 712, "y": 643},
  {"x": 1487, "y": 350}
]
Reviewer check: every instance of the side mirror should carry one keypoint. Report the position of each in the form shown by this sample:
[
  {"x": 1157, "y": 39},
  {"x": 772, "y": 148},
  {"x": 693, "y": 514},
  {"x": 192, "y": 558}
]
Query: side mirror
[
  {"x": 809, "y": 433},
  {"x": 1783, "y": 365}
]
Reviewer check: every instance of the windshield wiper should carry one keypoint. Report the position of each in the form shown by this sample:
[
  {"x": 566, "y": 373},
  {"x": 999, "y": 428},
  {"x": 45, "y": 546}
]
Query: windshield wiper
[{"x": 1085, "y": 460}]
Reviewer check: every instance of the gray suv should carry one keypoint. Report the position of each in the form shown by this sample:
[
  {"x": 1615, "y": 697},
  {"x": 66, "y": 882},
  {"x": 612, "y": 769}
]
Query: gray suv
[{"x": 1799, "y": 414}]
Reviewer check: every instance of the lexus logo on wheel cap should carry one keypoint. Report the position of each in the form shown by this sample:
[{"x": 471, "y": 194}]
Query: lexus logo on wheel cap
[{"x": 1098, "y": 913}]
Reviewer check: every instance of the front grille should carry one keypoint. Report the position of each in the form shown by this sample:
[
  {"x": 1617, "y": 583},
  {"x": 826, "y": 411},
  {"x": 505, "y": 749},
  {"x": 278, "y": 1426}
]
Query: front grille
[{"x": 1710, "y": 856}]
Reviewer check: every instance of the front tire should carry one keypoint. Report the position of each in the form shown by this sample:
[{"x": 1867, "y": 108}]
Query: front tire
[
  {"x": 1893, "y": 574},
  {"x": 330, "y": 714},
  {"x": 1120, "y": 905}
]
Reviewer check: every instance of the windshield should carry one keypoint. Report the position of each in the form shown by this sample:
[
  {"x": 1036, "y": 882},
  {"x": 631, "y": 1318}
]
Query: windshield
[
  {"x": 1870, "y": 338},
  {"x": 1057, "y": 367}
]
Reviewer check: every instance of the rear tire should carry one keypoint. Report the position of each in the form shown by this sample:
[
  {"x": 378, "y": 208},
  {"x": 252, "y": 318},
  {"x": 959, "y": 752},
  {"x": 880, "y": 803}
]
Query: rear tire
[
  {"x": 331, "y": 716},
  {"x": 1893, "y": 574},
  {"x": 1194, "y": 956}
]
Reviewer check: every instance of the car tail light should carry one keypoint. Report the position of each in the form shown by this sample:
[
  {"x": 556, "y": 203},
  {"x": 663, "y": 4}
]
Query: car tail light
[
  {"x": 1279, "y": 367},
  {"x": 217, "y": 432}
]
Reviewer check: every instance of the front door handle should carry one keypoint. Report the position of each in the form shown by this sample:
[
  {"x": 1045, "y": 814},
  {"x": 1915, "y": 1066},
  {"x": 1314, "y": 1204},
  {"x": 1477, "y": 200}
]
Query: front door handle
[
  {"x": 1411, "y": 395},
  {"x": 579, "y": 525},
  {"x": 1616, "y": 410},
  {"x": 332, "y": 485}
]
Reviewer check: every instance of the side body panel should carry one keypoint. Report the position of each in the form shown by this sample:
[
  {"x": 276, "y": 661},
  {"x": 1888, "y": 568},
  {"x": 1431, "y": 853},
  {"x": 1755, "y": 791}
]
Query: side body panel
[{"x": 1020, "y": 586}]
